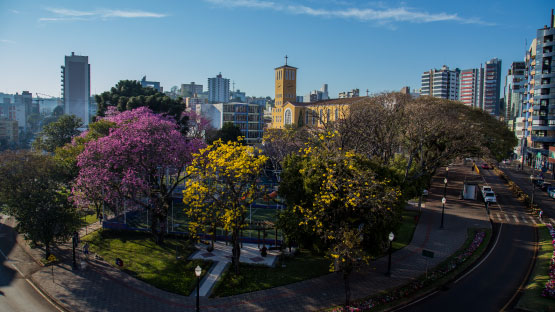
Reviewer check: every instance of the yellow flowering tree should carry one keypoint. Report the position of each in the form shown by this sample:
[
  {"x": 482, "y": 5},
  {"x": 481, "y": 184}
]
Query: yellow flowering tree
[
  {"x": 353, "y": 207},
  {"x": 221, "y": 187}
]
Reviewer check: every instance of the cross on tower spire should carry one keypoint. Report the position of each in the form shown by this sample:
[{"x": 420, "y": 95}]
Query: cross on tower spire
[{"x": 286, "y": 59}]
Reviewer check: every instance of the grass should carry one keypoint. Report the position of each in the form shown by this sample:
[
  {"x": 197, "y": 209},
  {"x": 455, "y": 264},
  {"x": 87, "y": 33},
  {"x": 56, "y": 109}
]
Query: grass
[
  {"x": 143, "y": 259},
  {"x": 298, "y": 268},
  {"x": 89, "y": 218},
  {"x": 404, "y": 234},
  {"x": 254, "y": 277},
  {"x": 531, "y": 299}
]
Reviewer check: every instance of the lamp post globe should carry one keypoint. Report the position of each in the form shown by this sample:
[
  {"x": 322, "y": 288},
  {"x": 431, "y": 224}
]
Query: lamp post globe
[
  {"x": 391, "y": 236},
  {"x": 445, "y": 180},
  {"x": 443, "y": 200},
  {"x": 198, "y": 271}
]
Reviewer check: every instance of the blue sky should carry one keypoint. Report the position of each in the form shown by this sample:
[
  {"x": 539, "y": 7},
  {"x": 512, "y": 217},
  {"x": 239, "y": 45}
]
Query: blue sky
[{"x": 348, "y": 44}]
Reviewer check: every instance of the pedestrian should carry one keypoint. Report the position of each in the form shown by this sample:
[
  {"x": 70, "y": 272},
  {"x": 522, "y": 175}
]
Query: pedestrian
[
  {"x": 86, "y": 250},
  {"x": 541, "y": 215}
]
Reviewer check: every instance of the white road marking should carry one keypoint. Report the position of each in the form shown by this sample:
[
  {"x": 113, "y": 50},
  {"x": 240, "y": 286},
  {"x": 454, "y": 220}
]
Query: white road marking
[
  {"x": 516, "y": 220},
  {"x": 533, "y": 219},
  {"x": 507, "y": 218}
]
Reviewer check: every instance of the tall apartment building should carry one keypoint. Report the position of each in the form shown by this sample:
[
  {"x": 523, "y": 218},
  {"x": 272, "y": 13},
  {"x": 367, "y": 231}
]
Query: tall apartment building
[
  {"x": 349, "y": 94},
  {"x": 442, "y": 83},
  {"x": 470, "y": 87},
  {"x": 514, "y": 93},
  {"x": 317, "y": 95},
  {"x": 76, "y": 86},
  {"x": 492, "y": 86},
  {"x": 218, "y": 89},
  {"x": 189, "y": 90}
]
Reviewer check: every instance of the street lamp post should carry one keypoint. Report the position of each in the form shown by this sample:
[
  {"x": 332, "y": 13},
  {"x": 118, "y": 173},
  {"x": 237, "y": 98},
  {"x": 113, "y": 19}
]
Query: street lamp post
[
  {"x": 391, "y": 237},
  {"x": 443, "y": 200},
  {"x": 74, "y": 242},
  {"x": 198, "y": 271},
  {"x": 533, "y": 189}
]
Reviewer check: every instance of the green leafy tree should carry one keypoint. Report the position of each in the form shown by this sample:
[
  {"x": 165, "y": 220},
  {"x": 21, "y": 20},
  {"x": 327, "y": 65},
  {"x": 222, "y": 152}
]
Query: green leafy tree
[
  {"x": 58, "y": 133},
  {"x": 32, "y": 189},
  {"x": 228, "y": 133},
  {"x": 352, "y": 207},
  {"x": 129, "y": 94}
]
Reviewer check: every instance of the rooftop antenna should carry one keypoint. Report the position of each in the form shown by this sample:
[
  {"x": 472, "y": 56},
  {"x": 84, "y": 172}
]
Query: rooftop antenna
[
  {"x": 286, "y": 57},
  {"x": 366, "y": 92},
  {"x": 233, "y": 86}
]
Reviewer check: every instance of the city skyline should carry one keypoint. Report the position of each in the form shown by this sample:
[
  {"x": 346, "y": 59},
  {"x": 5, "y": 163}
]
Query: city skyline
[{"x": 246, "y": 39}]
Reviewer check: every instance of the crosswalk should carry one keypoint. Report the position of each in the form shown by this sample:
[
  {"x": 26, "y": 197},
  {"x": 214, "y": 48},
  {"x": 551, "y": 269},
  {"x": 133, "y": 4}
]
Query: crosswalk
[{"x": 517, "y": 218}]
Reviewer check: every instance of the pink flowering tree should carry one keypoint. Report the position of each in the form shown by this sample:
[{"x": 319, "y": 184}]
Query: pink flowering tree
[{"x": 139, "y": 164}]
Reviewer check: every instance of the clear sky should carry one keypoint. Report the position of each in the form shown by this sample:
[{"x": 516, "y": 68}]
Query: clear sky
[{"x": 380, "y": 46}]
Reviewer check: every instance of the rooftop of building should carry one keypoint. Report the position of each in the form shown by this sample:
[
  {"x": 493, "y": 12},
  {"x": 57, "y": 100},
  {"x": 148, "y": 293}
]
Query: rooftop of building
[{"x": 342, "y": 101}]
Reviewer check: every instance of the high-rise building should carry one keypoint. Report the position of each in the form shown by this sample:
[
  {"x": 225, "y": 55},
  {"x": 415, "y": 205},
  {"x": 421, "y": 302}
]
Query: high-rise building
[
  {"x": 189, "y": 90},
  {"x": 514, "y": 93},
  {"x": 442, "y": 83},
  {"x": 349, "y": 94},
  {"x": 317, "y": 95},
  {"x": 491, "y": 86},
  {"x": 76, "y": 86},
  {"x": 470, "y": 87},
  {"x": 218, "y": 89},
  {"x": 285, "y": 84},
  {"x": 541, "y": 97}
]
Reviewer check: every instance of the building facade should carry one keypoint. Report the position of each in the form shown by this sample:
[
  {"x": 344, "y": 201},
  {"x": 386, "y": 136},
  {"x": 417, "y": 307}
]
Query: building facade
[
  {"x": 218, "y": 89},
  {"x": 249, "y": 117},
  {"x": 151, "y": 84},
  {"x": 514, "y": 93},
  {"x": 76, "y": 86},
  {"x": 317, "y": 95},
  {"x": 470, "y": 87},
  {"x": 189, "y": 90},
  {"x": 441, "y": 83},
  {"x": 491, "y": 86},
  {"x": 9, "y": 129},
  {"x": 349, "y": 94}
]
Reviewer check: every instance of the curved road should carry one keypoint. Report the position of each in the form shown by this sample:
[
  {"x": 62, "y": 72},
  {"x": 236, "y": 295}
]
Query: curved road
[
  {"x": 491, "y": 285},
  {"x": 16, "y": 293}
]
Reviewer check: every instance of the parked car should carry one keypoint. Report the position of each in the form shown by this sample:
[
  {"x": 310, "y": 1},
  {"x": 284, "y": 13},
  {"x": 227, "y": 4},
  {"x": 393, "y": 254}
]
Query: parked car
[
  {"x": 485, "y": 166},
  {"x": 485, "y": 189},
  {"x": 538, "y": 182},
  {"x": 545, "y": 186},
  {"x": 490, "y": 197},
  {"x": 425, "y": 193},
  {"x": 551, "y": 192}
]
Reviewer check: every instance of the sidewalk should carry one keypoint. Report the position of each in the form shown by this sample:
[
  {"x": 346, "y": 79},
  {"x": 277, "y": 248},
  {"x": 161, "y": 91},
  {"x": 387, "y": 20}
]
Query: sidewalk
[{"x": 101, "y": 287}]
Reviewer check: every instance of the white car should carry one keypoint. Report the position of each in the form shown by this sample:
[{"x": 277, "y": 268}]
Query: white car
[
  {"x": 490, "y": 197},
  {"x": 486, "y": 189}
]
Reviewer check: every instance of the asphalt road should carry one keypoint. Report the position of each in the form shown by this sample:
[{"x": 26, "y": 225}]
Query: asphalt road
[
  {"x": 541, "y": 198},
  {"x": 16, "y": 293},
  {"x": 490, "y": 286}
]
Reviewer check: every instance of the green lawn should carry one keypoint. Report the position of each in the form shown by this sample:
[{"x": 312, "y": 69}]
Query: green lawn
[
  {"x": 89, "y": 218},
  {"x": 403, "y": 236},
  {"x": 531, "y": 299},
  {"x": 253, "y": 277},
  {"x": 143, "y": 259}
]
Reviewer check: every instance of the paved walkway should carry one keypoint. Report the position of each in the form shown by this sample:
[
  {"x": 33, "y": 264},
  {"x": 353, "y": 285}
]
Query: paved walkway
[
  {"x": 221, "y": 255},
  {"x": 100, "y": 287}
]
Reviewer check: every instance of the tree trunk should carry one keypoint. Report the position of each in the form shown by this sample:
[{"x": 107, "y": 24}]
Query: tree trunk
[
  {"x": 347, "y": 290},
  {"x": 236, "y": 251}
]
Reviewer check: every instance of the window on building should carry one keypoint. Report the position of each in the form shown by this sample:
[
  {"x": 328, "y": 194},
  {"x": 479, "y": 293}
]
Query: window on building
[
  {"x": 306, "y": 118},
  {"x": 288, "y": 116},
  {"x": 321, "y": 114},
  {"x": 328, "y": 115},
  {"x": 336, "y": 114}
]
